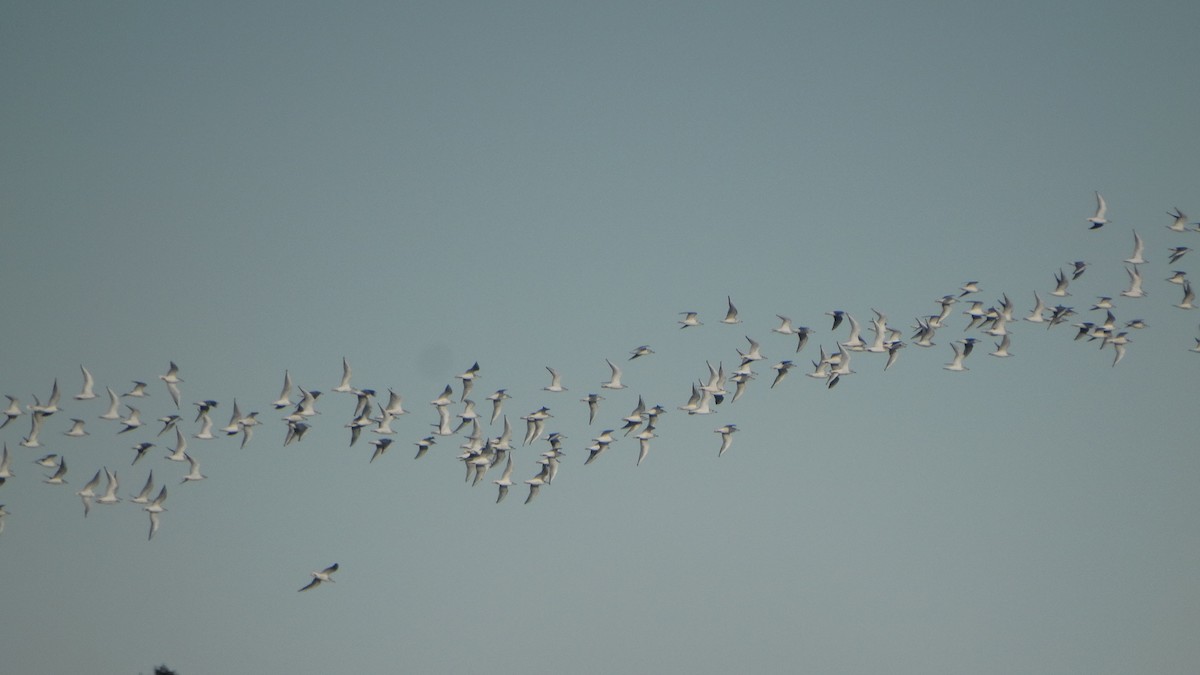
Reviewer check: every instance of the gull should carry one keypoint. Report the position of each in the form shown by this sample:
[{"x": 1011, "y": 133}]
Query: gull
[
  {"x": 443, "y": 425},
  {"x": 1139, "y": 247},
  {"x": 599, "y": 445},
  {"x": 51, "y": 406},
  {"x": 1177, "y": 252},
  {"x": 12, "y": 412},
  {"x": 1039, "y": 309},
  {"x": 384, "y": 423},
  {"x": 88, "y": 492},
  {"x": 643, "y": 350},
  {"x": 206, "y": 426},
  {"x": 155, "y": 508},
  {"x": 781, "y": 369},
  {"x": 395, "y": 404},
  {"x": 179, "y": 454},
  {"x": 1080, "y": 266},
  {"x": 497, "y": 398},
  {"x": 246, "y": 425},
  {"x": 1097, "y": 220},
  {"x": 88, "y": 385},
  {"x": 381, "y": 447},
  {"x": 2, "y": 514},
  {"x": 110, "y": 491},
  {"x": 615, "y": 381},
  {"x": 740, "y": 380},
  {"x": 706, "y": 398},
  {"x": 140, "y": 449},
  {"x": 503, "y": 442},
  {"x": 324, "y": 575},
  {"x": 1060, "y": 285},
  {"x": 1002, "y": 347},
  {"x": 1058, "y": 315},
  {"x": 344, "y": 386},
  {"x": 172, "y": 380},
  {"x": 785, "y": 326},
  {"x": 1104, "y": 302},
  {"x": 535, "y": 424},
  {"x": 57, "y": 478},
  {"x": 854, "y": 341},
  {"x": 194, "y": 474},
  {"x": 468, "y": 380},
  {"x": 689, "y": 319},
  {"x": 169, "y": 422},
  {"x": 957, "y": 363},
  {"x": 925, "y": 332},
  {"x": 423, "y": 446},
  {"x": 296, "y": 430},
  {"x": 726, "y": 432},
  {"x": 505, "y": 480},
  {"x": 1118, "y": 344},
  {"x": 593, "y": 401},
  {"x": 35, "y": 428},
  {"x": 731, "y": 315},
  {"x": 644, "y": 443},
  {"x": 1179, "y": 222},
  {"x": 5, "y": 464},
  {"x": 49, "y": 461},
  {"x": 693, "y": 401},
  {"x": 537, "y": 482},
  {"x": 555, "y": 381},
  {"x": 755, "y": 353},
  {"x": 1135, "y": 284},
  {"x": 1177, "y": 277},
  {"x": 634, "y": 419},
  {"x": 203, "y": 408},
  {"x": 114, "y": 404},
  {"x": 138, "y": 391},
  {"x": 893, "y": 352},
  {"x": 307, "y": 407},
  {"x": 969, "y": 288},
  {"x": 802, "y": 333},
  {"x": 132, "y": 421},
  {"x": 1135, "y": 323},
  {"x": 1188, "y": 297},
  {"x": 716, "y": 382},
  {"x": 285, "y": 396},
  {"x": 143, "y": 497},
  {"x": 444, "y": 399},
  {"x": 76, "y": 429},
  {"x": 837, "y": 315}
]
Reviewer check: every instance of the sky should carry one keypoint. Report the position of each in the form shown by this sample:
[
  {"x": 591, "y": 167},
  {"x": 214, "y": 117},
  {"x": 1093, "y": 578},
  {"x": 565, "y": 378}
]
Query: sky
[{"x": 249, "y": 188}]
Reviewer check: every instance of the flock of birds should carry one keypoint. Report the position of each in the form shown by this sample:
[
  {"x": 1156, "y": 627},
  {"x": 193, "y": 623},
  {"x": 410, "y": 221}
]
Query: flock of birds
[{"x": 457, "y": 413}]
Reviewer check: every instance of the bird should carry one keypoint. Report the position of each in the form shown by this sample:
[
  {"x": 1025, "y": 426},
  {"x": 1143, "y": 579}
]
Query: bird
[
  {"x": 114, "y": 404},
  {"x": 726, "y": 432},
  {"x": 505, "y": 480},
  {"x": 643, "y": 350},
  {"x": 689, "y": 320},
  {"x": 12, "y": 412},
  {"x": 155, "y": 509},
  {"x": 76, "y": 429},
  {"x": 57, "y": 477},
  {"x": 1178, "y": 220},
  {"x": 381, "y": 446},
  {"x": 423, "y": 446},
  {"x": 138, "y": 391},
  {"x": 110, "y": 490},
  {"x": 1080, "y": 266},
  {"x": 1177, "y": 252},
  {"x": 179, "y": 454},
  {"x": 1139, "y": 247},
  {"x": 51, "y": 406},
  {"x": 143, "y": 497},
  {"x": 89, "y": 384},
  {"x": 1188, "y": 297},
  {"x": 131, "y": 421},
  {"x": 194, "y": 474},
  {"x": 1098, "y": 219},
  {"x": 1135, "y": 284},
  {"x": 171, "y": 378},
  {"x": 140, "y": 449},
  {"x": 615, "y": 381},
  {"x": 555, "y": 381},
  {"x": 285, "y": 396},
  {"x": 593, "y": 401},
  {"x": 344, "y": 386},
  {"x": 5, "y": 464},
  {"x": 957, "y": 363},
  {"x": 88, "y": 493},
  {"x": 731, "y": 314},
  {"x": 1060, "y": 285}
]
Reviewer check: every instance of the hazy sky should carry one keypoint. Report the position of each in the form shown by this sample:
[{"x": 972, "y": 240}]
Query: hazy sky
[{"x": 249, "y": 188}]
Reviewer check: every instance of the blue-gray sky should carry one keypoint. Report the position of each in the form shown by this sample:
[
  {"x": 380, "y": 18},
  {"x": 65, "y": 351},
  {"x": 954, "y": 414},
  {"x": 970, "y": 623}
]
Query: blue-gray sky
[{"x": 245, "y": 188}]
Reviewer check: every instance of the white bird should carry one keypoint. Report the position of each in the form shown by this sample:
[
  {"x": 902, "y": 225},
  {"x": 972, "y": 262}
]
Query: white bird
[
  {"x": 110, "y": 491},
  {"x": 51, "y": 406},
  {"x": 1178, "y": 222},
  {"x": 35, "y": 428},
  {"x": 179, "y": 454},
  {"x": 1098, "y": 219},
  {"x": 537, "y": 482},
  {"x": 423, "y": 446},
  {"x": 395, "y": 404},
  {"x": 957, "y": 363},
  {"x": 1002, "y": 347},
  {"x": 49, "y": 461},
  {"x": 444, "y": 399},
  {"x": 285, "y": 396},
  {"x": 324, "y": 575},
  {"x": 6, "y": 464},
  {"x": 381, "y": 447},
  {"x": 1188, "y": 297},
  {"x": 1139, "y": 247},
  {"x": 731, "y": 314},
  {"x": 690, "y": 319},
  {"x": 173, "y": 381},
  {"x": 88, "y": 493},
  {"x": 643, "y": 350},
  {"x": 155, "y": 509},
  {"x": 785, "y": 326},
  {"x": 344, "y": 386},
  {"x": 726, "y": 432},
  {"x": 505, "y": 480},
  {"x": 57, "y": 478},
  {"x": 194, "y": 474},
  {"x": 1135, "y": 284},
  {"x": 1060, "y": 285},
  {"x": 89, "y": 384},
  {"x": 755, "y": 352},
  {"x": 781, "y": 369},
  {"x": 644, "y": 438},
  {"x": 138, "y": 391},
  {"x": 12, "y": 412},
  {"x": 141, "y": 449},
  {"x": 1177, "y": 252},
  {"x": 114, "y": 404},
  {"x": 76, "y": 429},
  {"x": 206, "y": 427},
  {"x": 555, "y": 381},
  {"x": 593, "y": 401},
  {"x": 1036, "y": 315},
  {"x": 143, "y": 497},
  {"x": 2, "y": 514},
  {"x": 497, "y": 398},
  {"x": 132, "y": 421},
  {"x": 615, "y": 381}
]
